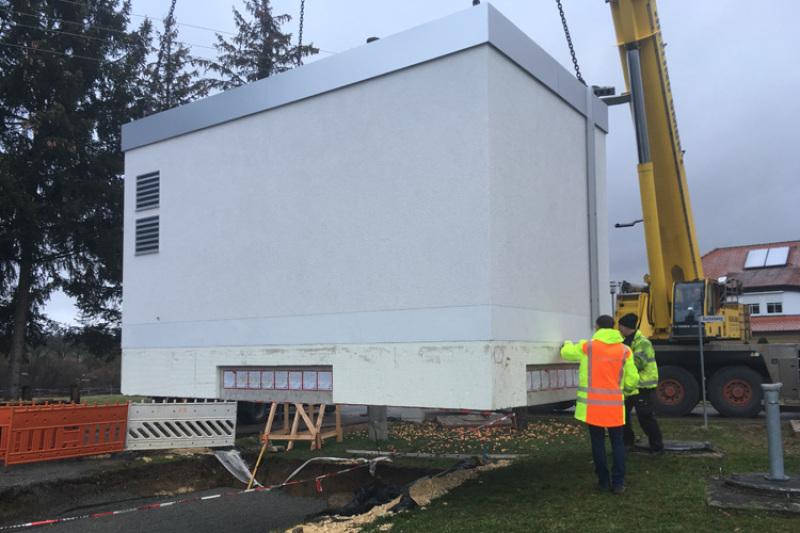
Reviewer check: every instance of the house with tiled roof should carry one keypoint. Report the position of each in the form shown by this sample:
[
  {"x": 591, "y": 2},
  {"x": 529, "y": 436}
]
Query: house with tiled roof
[{"x": 770, "y": 278}]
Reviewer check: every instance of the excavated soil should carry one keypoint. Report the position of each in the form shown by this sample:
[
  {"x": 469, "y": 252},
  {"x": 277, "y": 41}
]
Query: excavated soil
[{"x": 421, "y": 493}]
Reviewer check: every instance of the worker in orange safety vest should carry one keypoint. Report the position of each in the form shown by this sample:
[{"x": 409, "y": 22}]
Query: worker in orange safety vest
[{"x": 606, "y": 373}]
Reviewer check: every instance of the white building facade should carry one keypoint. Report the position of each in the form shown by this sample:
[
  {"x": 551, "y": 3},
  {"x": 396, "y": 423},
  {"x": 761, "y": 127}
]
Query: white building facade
[{"x": 420, "y": 221}]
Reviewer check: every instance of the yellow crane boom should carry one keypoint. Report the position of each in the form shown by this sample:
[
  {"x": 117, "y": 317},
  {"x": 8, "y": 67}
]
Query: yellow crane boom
[{"x": 672, "y": 250}]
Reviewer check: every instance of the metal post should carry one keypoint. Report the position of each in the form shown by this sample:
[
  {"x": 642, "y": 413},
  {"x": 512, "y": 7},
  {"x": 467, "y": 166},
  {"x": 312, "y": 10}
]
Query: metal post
[
  {"x": 775, "y": 444},
  {"x": 591, "y": 206},
  {"x": 637, "y": 104},
  {"x": 700, "y": 329},
  {"x": 613, "y": 285}
]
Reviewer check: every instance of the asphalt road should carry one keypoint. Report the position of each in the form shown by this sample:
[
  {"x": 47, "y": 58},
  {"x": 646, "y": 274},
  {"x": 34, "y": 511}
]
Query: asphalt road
[{"x": 236, "y": 511}]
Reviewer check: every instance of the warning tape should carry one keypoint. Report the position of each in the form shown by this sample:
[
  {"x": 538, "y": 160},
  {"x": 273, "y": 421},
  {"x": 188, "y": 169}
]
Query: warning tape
[{"x": 317, "y": 480}]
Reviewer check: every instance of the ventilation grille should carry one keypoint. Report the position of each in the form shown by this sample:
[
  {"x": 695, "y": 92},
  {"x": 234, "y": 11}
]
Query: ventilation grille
[
  {"x": 147, "y": 235},
  {"x": 147, "y": 190}
]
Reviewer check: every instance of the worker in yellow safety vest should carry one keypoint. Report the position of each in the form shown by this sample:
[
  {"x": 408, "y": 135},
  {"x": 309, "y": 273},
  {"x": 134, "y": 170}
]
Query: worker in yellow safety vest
[
  {"x": 606, "y": 374},
  {"x": 645, "y": 359}
]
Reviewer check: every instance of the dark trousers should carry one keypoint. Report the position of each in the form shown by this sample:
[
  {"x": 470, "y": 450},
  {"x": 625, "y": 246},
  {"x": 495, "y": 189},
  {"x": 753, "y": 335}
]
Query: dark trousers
[
  {"x": 643, "y": 402},
  {"x": 598, "y": 436}
]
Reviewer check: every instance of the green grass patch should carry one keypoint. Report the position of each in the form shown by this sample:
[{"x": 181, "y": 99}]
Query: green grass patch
[
  {"x": 111, "y": 399},
  {"x": 552, "y": 487}
]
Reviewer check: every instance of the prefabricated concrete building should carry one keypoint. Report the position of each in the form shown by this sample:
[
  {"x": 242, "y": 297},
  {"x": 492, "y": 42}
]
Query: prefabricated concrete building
[{"x": 420, "y": 221}]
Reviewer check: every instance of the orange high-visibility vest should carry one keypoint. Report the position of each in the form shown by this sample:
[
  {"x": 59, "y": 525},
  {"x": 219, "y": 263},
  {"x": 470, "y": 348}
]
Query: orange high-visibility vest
[{"x": 605, "y": 404}]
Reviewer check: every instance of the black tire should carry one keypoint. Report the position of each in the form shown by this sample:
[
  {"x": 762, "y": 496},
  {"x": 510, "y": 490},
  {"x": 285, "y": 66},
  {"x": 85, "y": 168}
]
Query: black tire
[
  {"x": 547, "y": 408},
  {"x": 252, "y": 412},
  {"x": 735, "y": 391},
  {"x": 563, "y": 406},
  {"x": 677, "y": 392}
]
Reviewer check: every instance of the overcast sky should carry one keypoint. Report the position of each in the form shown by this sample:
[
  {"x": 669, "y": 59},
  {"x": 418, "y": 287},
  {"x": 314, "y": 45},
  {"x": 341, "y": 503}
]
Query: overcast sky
[{"x": 733, "y": 67}]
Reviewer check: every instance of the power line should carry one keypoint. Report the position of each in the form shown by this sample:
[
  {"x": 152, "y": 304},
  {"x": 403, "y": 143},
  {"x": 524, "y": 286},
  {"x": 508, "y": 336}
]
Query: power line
[
  {"x": 60, "y": 32},
  {"x": 80, "y": 36},
  {"x": 66, "y": 54},
  {"x": 160, "y": 18},
  {"x": 188, "y": 25},
  {"x": 40, "y": 16},
  {"x": 103, "y": 28}
]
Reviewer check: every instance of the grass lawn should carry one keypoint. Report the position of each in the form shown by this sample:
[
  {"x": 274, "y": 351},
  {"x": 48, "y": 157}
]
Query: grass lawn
[
  {"x": 110, "y": 399},
  {"x": 552, "y": 488}
]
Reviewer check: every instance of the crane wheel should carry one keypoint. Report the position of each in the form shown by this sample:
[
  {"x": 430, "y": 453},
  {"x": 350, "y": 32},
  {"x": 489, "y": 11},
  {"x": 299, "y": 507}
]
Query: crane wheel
[
  {"x": 677, "y": 392},
  {"x": 252, "y": 412},
  {"x": 736, "y": 392}
]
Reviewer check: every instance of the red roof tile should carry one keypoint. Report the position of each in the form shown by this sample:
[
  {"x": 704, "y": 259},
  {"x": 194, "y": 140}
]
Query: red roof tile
[
  {"x": 730, "y": 262},
  {"x": 764, "y": 324}
]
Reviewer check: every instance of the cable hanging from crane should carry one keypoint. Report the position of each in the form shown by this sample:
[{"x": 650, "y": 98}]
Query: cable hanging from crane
[
  {"x": 569, "y": 42},
  {"x": 300, "y": 32}
]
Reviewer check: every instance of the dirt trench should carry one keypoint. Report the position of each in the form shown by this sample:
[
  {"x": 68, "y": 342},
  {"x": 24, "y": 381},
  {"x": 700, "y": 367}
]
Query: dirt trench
[{"x": 145, "y": 480}]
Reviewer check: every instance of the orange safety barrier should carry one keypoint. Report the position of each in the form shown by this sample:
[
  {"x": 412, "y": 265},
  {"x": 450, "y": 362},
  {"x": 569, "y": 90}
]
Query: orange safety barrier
[
  {"x": 33, "y": 433},
  {"x": 5, "y": 425}
]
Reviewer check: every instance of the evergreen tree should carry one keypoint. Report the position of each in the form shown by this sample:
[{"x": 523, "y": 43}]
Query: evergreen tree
[
  {"x": 69, "y": 78},
  {"x": 172, "y": 80},
  {"x": 259, "y": 50}
]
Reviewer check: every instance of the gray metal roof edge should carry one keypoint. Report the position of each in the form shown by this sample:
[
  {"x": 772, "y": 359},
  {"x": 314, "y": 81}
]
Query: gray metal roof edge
[
  {"x": 517, "y": 46},
  {"x": 466, "y": 29}
]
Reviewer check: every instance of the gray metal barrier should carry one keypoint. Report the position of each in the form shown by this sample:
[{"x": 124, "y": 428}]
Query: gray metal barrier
[{"x": 153, "y": 426}]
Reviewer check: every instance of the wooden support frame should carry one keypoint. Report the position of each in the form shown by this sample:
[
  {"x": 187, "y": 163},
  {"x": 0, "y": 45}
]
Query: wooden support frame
[{"x": 313, "y": 429}]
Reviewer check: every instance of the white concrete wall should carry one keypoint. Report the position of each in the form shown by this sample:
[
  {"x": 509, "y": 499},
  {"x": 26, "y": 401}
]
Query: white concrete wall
[
  {"x": 424, "y": 233},
  {"x": 458, "y": 375},
  {"x": 330, "y": 219},
  {"x": 371, "y": 199},
  {"x": 539, "y": 213}
]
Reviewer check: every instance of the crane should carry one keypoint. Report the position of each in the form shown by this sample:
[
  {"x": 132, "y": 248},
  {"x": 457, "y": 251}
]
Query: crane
[{"x": 678, "y": 307}]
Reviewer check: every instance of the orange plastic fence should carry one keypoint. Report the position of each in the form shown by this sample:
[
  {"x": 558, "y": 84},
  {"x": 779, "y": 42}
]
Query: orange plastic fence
[
  {"x": 44, "y": 432},
  {"x": 5, "y": 425}
]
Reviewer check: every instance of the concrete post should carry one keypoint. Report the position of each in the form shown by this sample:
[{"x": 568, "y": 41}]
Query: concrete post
[
  {"x": 774, "y": 440},
  {"x": 521, "y": 416},
  {"x": 75, "y": 393},
  {"x": 378, "y": 422}
]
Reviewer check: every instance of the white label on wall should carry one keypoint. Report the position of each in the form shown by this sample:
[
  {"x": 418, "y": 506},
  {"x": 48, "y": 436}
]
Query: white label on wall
[
  {"x": 295, "y": 381},
  {"x": 325, "y": 380},
  {"x": 282, "y": 380}
]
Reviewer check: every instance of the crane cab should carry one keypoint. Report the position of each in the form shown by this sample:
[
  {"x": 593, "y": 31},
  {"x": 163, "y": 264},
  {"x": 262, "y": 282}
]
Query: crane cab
[
  {"x": 711, "y": 306},
  {"x": 692, "y": 303}
]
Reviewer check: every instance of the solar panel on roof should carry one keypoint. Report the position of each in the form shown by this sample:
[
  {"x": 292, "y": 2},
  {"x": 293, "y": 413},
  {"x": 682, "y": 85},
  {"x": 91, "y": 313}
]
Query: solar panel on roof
[
  {"x": 767, "y": 257},
  {"x": 777, "y": 256},
  {"x": 756, "y": 258}
]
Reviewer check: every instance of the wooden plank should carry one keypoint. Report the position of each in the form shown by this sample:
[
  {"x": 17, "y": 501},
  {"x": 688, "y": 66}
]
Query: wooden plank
[
  {"x": 314, "y": 431},
  {"x": 339, "y": 436},
  {"x": 295, "y": 424}
]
